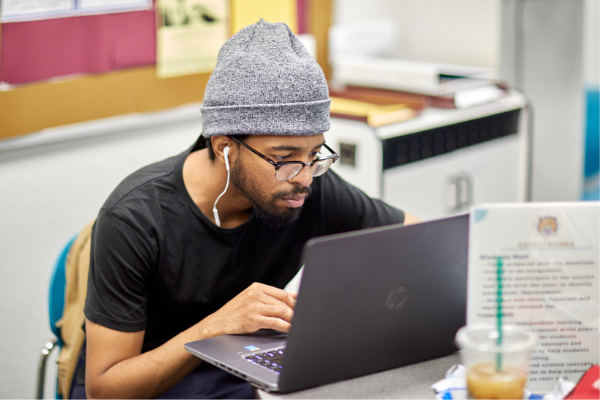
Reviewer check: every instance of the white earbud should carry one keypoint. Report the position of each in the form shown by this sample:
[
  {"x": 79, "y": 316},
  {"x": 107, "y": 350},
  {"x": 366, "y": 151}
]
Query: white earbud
[
  {"x": 226, "y": 154},
  {"x": 215, "y": 212}
]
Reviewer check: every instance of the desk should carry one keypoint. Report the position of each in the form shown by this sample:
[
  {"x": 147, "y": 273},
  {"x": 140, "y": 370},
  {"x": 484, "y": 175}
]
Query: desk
[{"x": 409, "y": 382}]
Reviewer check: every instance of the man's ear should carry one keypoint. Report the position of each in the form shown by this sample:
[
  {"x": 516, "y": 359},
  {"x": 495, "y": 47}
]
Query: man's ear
[{"x": 219, "y": 144}]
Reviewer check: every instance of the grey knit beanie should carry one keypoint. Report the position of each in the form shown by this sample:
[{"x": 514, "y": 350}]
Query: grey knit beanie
[{"x": 265, "y": 82}]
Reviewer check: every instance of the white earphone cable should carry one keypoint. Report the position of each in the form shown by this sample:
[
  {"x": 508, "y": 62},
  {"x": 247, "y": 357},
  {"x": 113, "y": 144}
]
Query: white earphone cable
[{"x": 215, "y": 212}]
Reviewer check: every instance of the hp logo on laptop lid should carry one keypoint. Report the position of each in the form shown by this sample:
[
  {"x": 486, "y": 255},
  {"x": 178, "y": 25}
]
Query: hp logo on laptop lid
[{"x": 397, "y": 298}]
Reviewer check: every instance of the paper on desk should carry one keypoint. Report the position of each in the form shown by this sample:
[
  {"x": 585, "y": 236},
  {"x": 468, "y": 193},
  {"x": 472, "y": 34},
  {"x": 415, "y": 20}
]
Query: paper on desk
[
  {"x": 454, "y": 386},
  {"x": 551, "y": 281},
  {"x": 294, "y": 284}
]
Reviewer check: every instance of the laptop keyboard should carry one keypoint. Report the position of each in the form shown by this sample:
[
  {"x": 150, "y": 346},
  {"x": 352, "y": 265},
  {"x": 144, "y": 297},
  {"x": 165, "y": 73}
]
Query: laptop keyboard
[{"x": 269, "y": 359}]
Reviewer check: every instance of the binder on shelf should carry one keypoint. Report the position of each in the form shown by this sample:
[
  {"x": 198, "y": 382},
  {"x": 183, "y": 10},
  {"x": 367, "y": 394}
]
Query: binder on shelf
[
  {"x": 380, "y": 96},
  {"x": 373, "y": 114},
  {"x": 469, "y": 97},
  {"x": 461, "y": 99}
]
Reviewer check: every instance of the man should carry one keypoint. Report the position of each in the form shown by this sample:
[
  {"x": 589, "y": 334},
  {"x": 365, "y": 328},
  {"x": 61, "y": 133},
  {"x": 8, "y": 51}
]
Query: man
[{"x": 202, "y": 244}]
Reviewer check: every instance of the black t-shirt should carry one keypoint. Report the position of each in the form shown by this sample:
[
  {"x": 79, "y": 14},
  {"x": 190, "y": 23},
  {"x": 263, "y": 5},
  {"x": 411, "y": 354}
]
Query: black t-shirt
[{"x": 158, "y": 264}]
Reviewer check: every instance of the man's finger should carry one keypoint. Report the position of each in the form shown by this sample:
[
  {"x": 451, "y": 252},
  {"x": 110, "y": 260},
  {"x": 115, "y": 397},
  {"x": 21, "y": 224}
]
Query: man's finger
[
  {"x": 294, "y": 295},
  {"x": 276, "y": 324},
  {"x": 280, "y": 295},
  {"x": 280, "y": 311}
]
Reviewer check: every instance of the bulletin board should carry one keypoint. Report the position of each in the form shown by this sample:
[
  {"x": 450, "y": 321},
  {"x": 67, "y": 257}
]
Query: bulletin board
[{"x": 120, "y": 76}]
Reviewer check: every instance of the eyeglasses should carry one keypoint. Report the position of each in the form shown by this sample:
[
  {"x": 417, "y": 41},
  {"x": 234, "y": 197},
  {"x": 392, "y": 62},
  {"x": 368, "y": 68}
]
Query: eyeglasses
[{"x": 286, "y": 170}]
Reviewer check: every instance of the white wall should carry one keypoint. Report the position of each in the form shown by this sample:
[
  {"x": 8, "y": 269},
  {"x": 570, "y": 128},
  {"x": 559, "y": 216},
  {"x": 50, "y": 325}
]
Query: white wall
[
  {"x": 463, "y": 32},
  {"x": 561, "y": 56},
  {"x": 48, "y": 193},
  {"x": 591, "y": 42},
  {"x": 544, "y": 58}
]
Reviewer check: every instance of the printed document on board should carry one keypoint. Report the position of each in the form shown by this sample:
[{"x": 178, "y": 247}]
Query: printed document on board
[
  {"x": 32, "y": 10},
  {"x": 550, "y": 279},
  {"x": 27, "y": 10},
  {"x": 189, "y": 36}
]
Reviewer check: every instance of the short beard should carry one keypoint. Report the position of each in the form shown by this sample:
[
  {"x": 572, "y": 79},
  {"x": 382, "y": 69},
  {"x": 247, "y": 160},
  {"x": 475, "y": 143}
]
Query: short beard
[
  {"x": 277, "y": 221},
  {"x": 265, "y": 210}
]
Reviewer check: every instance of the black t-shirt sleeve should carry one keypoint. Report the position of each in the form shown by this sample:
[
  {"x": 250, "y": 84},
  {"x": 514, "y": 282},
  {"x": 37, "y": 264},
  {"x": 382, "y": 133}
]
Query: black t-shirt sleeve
[
  {"x": 346, "y": 208},
  {"x": 121, "y": 262}
]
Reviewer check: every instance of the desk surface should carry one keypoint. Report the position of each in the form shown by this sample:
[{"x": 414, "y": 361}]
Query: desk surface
[{"x": 409, "y": 382}]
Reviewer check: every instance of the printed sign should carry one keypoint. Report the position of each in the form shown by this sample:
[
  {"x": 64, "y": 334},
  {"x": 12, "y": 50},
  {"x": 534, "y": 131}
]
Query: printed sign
[
  {"x": 189, "y": 36},
  {"x": 550, "y": 281}
]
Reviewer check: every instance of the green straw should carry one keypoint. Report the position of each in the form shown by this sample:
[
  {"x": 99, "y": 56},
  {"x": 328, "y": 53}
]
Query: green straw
[{"x": 499, "y": 314}]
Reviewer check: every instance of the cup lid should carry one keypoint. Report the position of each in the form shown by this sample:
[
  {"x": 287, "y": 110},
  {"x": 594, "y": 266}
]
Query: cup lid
[{"x": 485, "y": 337}]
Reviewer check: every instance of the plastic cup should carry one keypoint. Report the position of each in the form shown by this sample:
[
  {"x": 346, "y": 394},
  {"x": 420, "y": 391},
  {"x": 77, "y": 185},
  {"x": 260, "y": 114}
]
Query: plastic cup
[{"x": 495, "y": 370}]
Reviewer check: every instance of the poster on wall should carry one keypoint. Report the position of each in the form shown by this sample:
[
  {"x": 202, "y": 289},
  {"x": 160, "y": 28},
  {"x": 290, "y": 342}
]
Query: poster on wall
[
  {"x": 189, "y": 35},
  {"x": 31, "y": 10}
]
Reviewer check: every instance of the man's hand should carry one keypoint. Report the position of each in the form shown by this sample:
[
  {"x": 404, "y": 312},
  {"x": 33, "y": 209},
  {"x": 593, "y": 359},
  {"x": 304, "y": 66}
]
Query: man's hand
[
  {"x": 116, "y": 368},
  {"x": 410, "y": 219},
  {"x": 259, "y": 306}
]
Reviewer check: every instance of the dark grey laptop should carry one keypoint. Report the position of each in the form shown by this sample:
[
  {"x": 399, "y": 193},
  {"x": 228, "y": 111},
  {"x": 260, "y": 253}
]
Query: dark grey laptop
[{"x": 369, "y": 300}]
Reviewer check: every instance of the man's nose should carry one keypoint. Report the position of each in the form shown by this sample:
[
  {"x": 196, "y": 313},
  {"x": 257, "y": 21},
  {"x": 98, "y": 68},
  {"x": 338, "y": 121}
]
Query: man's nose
[{"x": 304, "y": 177}]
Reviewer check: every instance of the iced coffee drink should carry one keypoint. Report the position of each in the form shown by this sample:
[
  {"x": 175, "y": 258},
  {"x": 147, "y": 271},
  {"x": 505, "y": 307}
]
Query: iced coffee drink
[
  {"x": 484, "y": 382},
  {"x": 496, "y": 364}
]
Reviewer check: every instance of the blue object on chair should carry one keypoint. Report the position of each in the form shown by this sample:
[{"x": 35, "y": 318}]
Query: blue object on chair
[
  {"x": 592, "y": 134},
  {"x": 56, "y": 292},
  {"x": 592, "y": 145},
  {"x": 56, "y": 304}
]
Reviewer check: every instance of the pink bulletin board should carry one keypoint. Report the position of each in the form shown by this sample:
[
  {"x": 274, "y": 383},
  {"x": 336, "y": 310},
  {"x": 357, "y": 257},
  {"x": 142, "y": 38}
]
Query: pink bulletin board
[
  {"x": 39, "y": 50},
  {"x": 301, "y": 11},
  {"x": 114, "y": 57}
]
